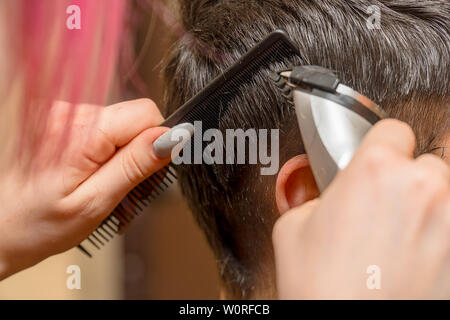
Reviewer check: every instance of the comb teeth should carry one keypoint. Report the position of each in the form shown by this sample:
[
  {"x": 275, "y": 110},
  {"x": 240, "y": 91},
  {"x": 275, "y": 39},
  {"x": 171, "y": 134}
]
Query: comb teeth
[
  {"x": 135, "y": 202},
  {"x": 281, "y": 83}
]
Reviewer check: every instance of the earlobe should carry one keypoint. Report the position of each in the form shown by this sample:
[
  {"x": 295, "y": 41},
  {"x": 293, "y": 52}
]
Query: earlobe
[{"x": 295, "y": 184}]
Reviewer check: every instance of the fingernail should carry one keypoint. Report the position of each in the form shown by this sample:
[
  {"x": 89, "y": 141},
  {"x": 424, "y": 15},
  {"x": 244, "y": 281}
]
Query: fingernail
[{"x": 164, "y": 145}]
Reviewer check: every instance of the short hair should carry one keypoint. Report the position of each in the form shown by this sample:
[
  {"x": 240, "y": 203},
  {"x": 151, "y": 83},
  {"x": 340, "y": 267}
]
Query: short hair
[{"x": 403, "y": 66}]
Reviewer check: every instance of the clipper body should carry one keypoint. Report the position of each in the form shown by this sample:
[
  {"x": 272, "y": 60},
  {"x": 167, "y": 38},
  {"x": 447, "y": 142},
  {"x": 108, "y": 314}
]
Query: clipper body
[{"x": 332, "y": 117}]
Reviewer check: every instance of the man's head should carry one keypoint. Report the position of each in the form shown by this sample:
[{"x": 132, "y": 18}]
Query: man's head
[{"x": 403, "y": 66}]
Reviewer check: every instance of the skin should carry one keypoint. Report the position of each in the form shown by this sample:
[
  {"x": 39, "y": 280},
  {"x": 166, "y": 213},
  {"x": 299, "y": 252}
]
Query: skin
[
  {"x": 56, "y": 207},
  {"x": 386, "y": 209}
]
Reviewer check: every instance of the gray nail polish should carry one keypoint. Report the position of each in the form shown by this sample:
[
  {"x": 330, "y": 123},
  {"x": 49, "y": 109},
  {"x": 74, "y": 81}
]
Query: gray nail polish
[{"x": 164, "y": 145}]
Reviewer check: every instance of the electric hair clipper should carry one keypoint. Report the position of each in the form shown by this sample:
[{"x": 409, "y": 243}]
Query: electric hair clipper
[{"x": 332, "y": 117}]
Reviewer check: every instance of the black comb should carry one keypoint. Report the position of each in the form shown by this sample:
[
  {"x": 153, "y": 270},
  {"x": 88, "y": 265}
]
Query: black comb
[{"x": 206, "y": 106}]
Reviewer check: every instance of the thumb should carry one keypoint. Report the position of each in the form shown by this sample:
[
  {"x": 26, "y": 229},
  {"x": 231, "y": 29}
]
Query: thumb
[{"x": 129, "y": 166}]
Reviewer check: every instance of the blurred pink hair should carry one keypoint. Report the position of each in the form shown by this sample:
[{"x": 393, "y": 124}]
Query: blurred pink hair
[{"x": 58, "y": 63}]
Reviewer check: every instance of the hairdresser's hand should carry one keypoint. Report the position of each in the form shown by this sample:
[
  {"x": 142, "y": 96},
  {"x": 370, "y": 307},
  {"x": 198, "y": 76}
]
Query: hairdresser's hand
[
  {"x": 109, "y": 151},
  {"x": 385, "y": 209}
]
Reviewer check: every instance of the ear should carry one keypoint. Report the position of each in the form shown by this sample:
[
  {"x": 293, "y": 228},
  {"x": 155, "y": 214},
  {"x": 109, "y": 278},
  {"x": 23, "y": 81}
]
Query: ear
[{"x": 295, "y": 184}]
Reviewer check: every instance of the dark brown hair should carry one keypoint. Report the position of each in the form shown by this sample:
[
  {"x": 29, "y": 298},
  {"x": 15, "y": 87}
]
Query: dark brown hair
[{"x": 403, "y": 66}]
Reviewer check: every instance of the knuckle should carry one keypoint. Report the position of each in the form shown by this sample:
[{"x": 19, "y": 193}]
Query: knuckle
[
  {"x": 133, "y": 171},
  {"x": 434, "y": 164},
  {"x": 149, "y": 104},
  {"x": 90, "y": 205},
  {"x": 420, "y": 178},
  {"x": 442, "y": 185},
  {"x": 97, "y": 146},
  {"x": 429, "y": 160},
  {"x": 403, "y": 126},
  {"x": 426, "y": 157},
  {"x": 426, "y": 180},
  {"x": 151, "y": 111},
  {"x": 400, "y": 127},
  {"x": 86, "y": 207}
]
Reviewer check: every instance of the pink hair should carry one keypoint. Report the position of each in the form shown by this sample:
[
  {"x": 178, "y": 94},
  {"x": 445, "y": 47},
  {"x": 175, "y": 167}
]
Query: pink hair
[{"x": 75, "y": 65}]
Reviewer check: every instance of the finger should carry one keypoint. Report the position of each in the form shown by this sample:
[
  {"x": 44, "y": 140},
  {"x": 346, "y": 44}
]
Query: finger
[
  {"x": 288, "y": 225},
  {"x": 442, "y": 209},
  {"x": 438, "y": 225},
  {"x": 287, "y": 242},
  {"x": 123, "y": 121},
  {"x": 433, "y": 163},
  {"x": 391, "y": 133},
  {"x": 99, "y": 131},
  {"x": 128, "y": 167}
]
